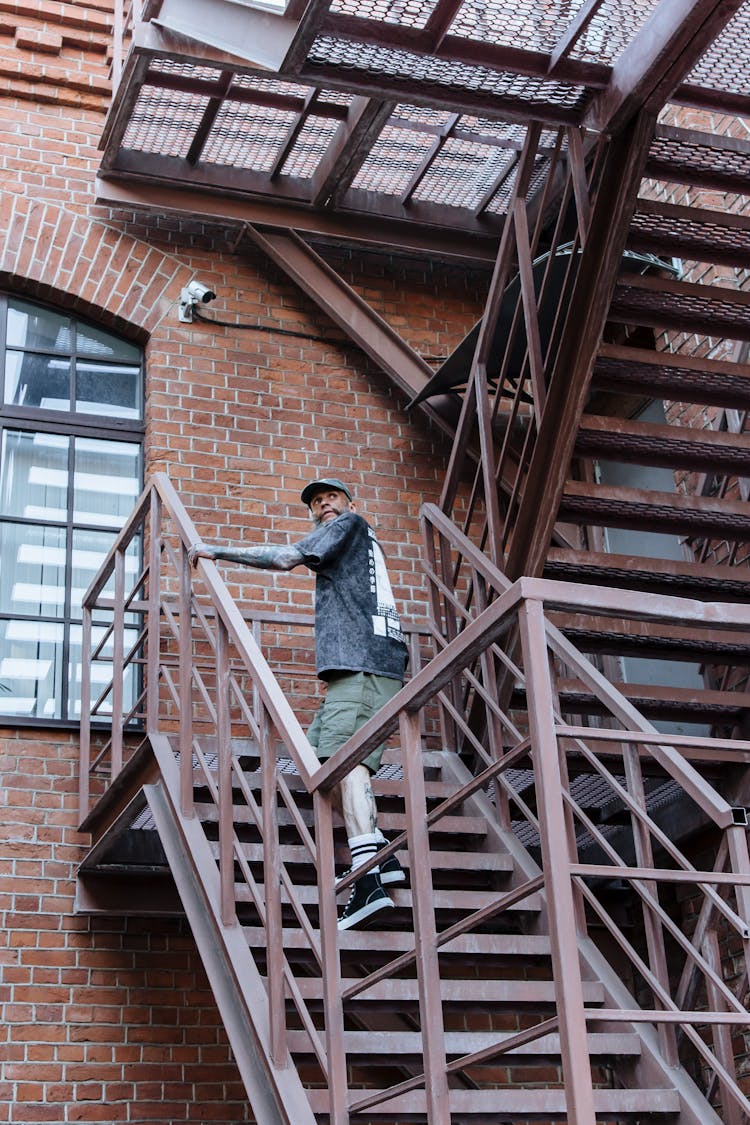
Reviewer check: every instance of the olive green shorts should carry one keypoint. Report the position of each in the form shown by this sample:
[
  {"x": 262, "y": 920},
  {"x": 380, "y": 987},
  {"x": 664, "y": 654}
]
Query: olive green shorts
[{"x": 351, "y": 699}]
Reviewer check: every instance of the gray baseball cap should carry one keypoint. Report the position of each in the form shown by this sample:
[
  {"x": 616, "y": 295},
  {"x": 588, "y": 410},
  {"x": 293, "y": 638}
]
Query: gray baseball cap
[{"x": 325, "y": 482}]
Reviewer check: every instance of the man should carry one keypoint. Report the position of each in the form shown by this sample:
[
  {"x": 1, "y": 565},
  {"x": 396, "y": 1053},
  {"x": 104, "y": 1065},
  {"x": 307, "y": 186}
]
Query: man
[{"x": 360, "y": 653}]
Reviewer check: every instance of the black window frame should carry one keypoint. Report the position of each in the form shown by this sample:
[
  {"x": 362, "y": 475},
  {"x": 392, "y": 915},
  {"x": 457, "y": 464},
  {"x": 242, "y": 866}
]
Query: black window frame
[{"x": 70, "y": 424}]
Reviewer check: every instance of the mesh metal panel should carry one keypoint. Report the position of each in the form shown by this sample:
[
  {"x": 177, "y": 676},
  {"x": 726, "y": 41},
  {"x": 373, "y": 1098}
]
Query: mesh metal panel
[
  {"x": 164, "y": 121},
  {"x": 309, "y": 147},
  {"x": 726, "y": 63},
  {"x": 421, "y": 115},
  {"x": 538, "y": 27},
  {"x": 691, "y": 232},
  {"x": 383, "y": 62},
  {"x": 498, "y": 205},
  {"x": 245, "y": 136},
  {"x": 407, "y": 13},
  {"x": 270, "y": 86},
  {"x": 687, "y": 155},
  {"x": 461, "y": 174},
  {"x": 392, "y": 161},
  {"x": 185, "y": 70}
]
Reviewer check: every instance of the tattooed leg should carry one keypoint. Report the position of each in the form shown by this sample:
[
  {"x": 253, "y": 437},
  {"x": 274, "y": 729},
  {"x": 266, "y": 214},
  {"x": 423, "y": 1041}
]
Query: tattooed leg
[{"x": 358, "y": 803}]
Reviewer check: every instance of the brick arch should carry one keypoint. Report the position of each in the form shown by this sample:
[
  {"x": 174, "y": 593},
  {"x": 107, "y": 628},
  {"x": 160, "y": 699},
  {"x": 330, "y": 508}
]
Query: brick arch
[{"x": 71, "y": 261}]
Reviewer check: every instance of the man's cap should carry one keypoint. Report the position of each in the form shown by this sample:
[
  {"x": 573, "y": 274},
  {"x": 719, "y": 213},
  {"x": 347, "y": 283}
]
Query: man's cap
[{"x": 325, "y": 482}]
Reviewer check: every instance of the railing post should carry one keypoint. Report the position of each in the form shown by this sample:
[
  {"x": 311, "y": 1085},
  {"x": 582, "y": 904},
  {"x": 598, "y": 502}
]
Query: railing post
[
  {"x": 224, "y": 778},
  {"x": 644, "y": 857},
  {"x": 153, "y": 642},
  {"x": 722, "y": 1034},
  {"x": 556, "y": 865},
  {"x": 185, "y": 681},
  {"x": 425, "y": 930},
  {"x": 118, "y": 668},
  {"x": 333, "y": 1009},
  {"x": 272, "y": 889},
  {"x": 85, "y": 754}
]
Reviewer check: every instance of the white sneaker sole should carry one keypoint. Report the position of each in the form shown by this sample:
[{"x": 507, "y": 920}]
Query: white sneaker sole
[{"x": 365, "y": 912}]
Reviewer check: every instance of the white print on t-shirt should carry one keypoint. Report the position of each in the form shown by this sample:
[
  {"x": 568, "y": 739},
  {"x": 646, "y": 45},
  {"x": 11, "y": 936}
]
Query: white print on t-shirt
[{"x": 385, "y": 621}]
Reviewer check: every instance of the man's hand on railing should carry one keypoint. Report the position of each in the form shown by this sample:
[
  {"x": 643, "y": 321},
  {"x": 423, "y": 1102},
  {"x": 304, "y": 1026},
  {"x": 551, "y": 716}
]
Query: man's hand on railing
[{"x": 200, "y": 551}]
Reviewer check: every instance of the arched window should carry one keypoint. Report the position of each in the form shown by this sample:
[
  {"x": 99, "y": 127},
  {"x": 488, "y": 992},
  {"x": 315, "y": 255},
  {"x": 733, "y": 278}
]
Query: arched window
[{"x": 71, "y": 432}]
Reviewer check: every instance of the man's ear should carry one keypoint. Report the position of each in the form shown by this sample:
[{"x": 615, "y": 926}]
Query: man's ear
[{"x": 352, "y": 506}]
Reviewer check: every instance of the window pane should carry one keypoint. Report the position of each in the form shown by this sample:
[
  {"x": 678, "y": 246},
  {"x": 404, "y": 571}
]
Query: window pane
[
  {"x": 31, "y": 668},
  {"x": 109, "y": 389},
  {"x": 90, "y": 548},
  {"x": 37, "y": 380},
  {"x": 101, "y": 673},
  {"x": 94, "y": 342},
  {"x": 30, "y": 326},
  {"x": 32, "y": 569},
  {"x": 34, "y": 475},
  {"x": 106, "y": 482}
]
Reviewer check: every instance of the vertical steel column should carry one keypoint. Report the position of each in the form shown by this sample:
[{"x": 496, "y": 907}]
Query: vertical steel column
[
  {"x": 722, "y": 1034},
  {"x": 85, "y": 748},
  {"x": 739, "y": 861},
  {"x": 272, "y": 889},
  {"x": 425, "y": 931},
  {"x": 556, "y": 866},
  {"x": 644, "y": 857},
  {"x": 153, "y": 636},
  {"x": 333, "y": 1008},
  {"x": 185, "y": 681},
  {"x": 118, "y": 662},
  {"x": 224, "y": 777}
]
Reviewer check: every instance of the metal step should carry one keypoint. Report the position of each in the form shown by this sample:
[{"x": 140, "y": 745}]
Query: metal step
[
  {"x": 445, "y": 901},
  {"x": 364, "y": 1044},
  {"x": 516, "y": 1105},
  {"x": 690, "y": 232},
  {"x": 469, "y": 993},
  {"x": 645, "y": 510},
  {"x": 658, "y": 302},
  {"x": 462, "y": 826},
  {"x": 382, "y": 943},
  {"x": 618, "y": 439},
  {"x": 687, "y": 156},
  {"x": 665, "y": 702},
  {"x": 656, "y": 640},
  {"x": 461, "y": 861},
  {"x": 662, "y": 576},
  {"x": 639, "y": 371}
]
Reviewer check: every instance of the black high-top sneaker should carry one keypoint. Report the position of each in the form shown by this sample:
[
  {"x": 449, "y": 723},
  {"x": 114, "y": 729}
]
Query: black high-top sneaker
[{"x": 367, "y": 898}]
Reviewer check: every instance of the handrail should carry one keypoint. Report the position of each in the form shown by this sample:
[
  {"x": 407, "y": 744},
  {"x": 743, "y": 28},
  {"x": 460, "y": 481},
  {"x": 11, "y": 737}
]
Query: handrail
[{"x": 489, "y": 688}]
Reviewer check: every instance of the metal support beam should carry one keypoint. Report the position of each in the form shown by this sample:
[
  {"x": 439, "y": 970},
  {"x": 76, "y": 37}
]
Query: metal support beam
[
  {"x": 569, "y": 382},
  {"x": 657, "y": 60},
  {"x": 231, "y": 212},
  {"x": 349, "y": 150},
  {"x": 352, "y": 313}
]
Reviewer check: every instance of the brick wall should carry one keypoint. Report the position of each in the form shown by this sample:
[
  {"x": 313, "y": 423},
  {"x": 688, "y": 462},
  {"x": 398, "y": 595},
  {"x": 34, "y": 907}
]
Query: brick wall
[{"x": 112, "y": 1019}]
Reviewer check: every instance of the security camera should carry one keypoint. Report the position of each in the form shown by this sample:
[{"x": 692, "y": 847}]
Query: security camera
[{"x": 195, "y": 293}]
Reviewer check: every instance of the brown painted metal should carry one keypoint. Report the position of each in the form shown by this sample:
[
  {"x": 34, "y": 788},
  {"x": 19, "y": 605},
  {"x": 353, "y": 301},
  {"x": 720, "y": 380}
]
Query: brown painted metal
[
  {"x": 570, "y": 1003},
  {"x": 425, "y": 929},
  {"x": 352, "y": 313},
  {"x": 334, "y": 174},
  {"x": 278, "y": 214},
  {"x": 571, "y": 374},
  {"x": 658, "y": 59}
]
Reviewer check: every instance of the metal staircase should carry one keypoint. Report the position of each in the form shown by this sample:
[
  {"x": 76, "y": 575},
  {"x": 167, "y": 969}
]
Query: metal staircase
[{"x": 538, "y": 965}]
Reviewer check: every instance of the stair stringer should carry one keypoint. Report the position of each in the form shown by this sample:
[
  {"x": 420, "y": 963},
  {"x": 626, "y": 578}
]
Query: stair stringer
[
  {"x": 651, "y": 1068},
  {"x": 276, "y": 1094}
]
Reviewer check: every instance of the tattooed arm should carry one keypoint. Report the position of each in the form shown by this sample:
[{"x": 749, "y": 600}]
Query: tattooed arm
[{"x": 264, "y": 557}]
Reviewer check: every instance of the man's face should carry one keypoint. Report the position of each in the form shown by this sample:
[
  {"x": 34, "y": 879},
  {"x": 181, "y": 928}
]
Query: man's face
[{"x": 328, "y": 503}]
